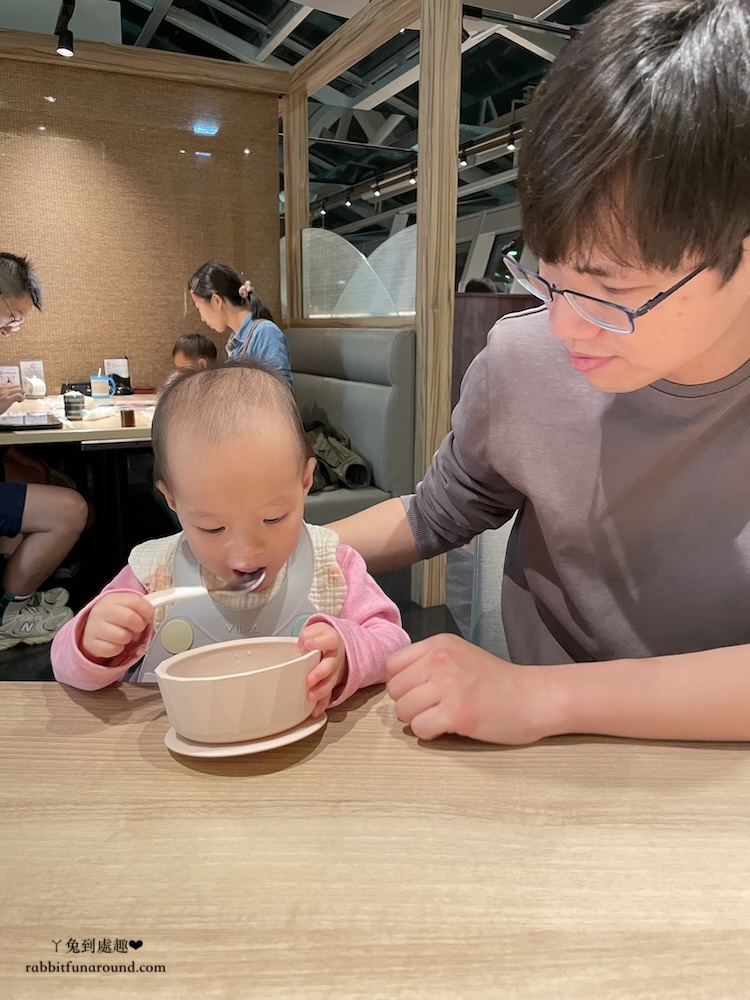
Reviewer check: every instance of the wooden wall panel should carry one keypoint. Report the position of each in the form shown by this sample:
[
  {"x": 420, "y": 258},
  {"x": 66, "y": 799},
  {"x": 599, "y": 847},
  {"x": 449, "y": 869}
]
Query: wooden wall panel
[{"x": 116, "y": 218}]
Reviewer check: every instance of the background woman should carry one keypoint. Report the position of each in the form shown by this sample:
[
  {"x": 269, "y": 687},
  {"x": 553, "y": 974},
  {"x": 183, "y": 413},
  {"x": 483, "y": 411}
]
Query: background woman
[{"x": 225, "y": 301}]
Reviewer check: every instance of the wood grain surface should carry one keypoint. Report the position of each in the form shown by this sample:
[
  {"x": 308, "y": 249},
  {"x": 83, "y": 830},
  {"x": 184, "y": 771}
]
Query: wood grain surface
[{"x": 361, "y": 863}]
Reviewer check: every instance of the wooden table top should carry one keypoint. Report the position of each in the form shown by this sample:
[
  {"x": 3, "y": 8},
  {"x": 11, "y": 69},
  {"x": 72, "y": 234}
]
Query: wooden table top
[
  {"x": 360, "y": 863},
  {"x": 83, "y": 431}
]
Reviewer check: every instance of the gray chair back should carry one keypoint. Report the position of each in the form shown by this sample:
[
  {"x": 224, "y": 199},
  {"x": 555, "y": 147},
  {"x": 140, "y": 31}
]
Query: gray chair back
[{"x": 487, "y": 629}]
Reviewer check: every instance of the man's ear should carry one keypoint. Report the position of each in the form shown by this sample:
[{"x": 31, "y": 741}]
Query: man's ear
[
  {"x": 309, "y": 473},
  {"x": 168, "y": 496}
]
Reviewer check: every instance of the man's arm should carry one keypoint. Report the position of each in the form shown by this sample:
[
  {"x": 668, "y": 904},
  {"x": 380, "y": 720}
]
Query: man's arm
[
  {"x": 445, "y": 685},
  {"x": 688, "y": 696},
  {"x": 461, "y": 495},
  {"x": 381, "y": 535}
]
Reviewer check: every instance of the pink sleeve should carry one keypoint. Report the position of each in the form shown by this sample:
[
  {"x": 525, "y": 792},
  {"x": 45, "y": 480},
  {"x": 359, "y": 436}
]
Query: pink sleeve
[
  {"x": 369, "y": 624},
  {"x": 70, "y": 664}
]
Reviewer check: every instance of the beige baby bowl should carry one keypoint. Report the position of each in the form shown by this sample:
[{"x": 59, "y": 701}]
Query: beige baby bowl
[{"x": 236, "y": 691}]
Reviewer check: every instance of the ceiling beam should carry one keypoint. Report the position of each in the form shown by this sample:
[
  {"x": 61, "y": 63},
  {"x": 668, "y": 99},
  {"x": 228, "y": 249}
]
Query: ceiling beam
[
  {"x": 547, "y": 47},
  {"x": 366, "y": 31},
  {"x": 496, "y": 180},
  {"x": 153, "y": 22},
  {"x": 280, "y": 31},
  {"x": 408, "y": 74}
]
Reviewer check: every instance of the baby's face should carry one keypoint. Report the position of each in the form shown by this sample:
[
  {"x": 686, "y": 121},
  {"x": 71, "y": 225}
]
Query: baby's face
[
  {"x": 240, "y": 503},
  {"x": 181, "y": 361}
]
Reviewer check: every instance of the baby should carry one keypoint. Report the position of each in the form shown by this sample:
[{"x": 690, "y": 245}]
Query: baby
[
  {"x": 233, "y": 462},
  {"x": 193, "y": 350}
]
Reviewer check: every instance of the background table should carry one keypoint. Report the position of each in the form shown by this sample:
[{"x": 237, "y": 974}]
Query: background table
[
  {"x": 85, "y": 432},
  {"x": 103, "y": 446},
  {"x": 362, "y": 864}
]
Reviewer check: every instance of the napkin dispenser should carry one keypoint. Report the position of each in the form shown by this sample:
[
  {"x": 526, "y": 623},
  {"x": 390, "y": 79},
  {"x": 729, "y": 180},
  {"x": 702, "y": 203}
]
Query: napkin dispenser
[
  {"x": 122, "y": 387},
  {"x": 119, "y": 369},
  {"x": 83, "y": 387}
]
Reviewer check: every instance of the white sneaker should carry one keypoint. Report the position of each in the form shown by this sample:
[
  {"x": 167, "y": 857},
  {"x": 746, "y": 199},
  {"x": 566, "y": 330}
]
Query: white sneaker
[
  {"x": 33, "y": 625},
  {"x": 54, "y": 598}
]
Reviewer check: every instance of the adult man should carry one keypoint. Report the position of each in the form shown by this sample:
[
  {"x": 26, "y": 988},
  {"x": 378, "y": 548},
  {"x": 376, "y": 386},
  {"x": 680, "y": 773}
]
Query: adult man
[
  {"x": 49, "y": 519},
  {"x": 615, "y": 421}
]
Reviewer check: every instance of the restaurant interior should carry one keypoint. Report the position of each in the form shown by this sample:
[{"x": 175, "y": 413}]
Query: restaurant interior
[{"x": 335, "y": 156}]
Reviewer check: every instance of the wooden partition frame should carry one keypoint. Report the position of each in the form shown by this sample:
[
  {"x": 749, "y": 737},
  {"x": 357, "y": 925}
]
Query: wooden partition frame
[
  {"x": 439, "y": 85},
  {"x": 133, "y": 61}
]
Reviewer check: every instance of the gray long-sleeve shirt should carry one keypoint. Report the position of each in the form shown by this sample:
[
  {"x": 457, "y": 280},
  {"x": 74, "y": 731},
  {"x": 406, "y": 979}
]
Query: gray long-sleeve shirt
[{"x": 633, "y": 535}]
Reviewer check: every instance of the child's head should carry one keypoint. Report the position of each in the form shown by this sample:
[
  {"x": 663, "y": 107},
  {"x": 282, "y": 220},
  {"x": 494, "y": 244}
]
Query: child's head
[
  {"x": 233, "y": 462},
  {"x": 217, "y": 290},
  {"x": 634, "y": 172},
  {"x": 193, "y": 350}
]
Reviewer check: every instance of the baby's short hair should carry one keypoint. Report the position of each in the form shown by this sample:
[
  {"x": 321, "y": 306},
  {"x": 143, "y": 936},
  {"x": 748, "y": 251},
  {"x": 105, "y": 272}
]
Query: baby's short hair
[
  {"x": 220, "y": 402},
  {"x": 195, "y": 346}
]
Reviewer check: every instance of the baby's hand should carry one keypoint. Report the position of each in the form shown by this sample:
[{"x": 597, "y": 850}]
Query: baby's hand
[
  {"x": 332, "y": 667},
  {"x": 114, "y": 622}
]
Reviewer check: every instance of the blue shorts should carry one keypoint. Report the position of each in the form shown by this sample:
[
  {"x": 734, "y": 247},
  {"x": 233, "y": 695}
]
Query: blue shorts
[{"x": 12, "y": 503}]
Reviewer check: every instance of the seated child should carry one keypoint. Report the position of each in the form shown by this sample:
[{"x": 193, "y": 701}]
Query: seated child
[
  {"x": 232, "y": 460},
  {"x": 193, "y": 350}
]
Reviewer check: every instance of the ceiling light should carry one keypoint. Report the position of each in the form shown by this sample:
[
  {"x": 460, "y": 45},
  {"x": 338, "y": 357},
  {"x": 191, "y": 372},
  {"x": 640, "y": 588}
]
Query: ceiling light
[
  {"x": 462, "y": 161},
  {"x": 376, "y": 190},
  {"x": 323, "y": 210},
  {"x": 205, "y": 128},
  {"x": 412, "y": 177},
  {"x": 512, "y": 141},
  {"x": 348, "y": 202},
  {"x": 201, "y": 154},
  {"x": 51, "y": 100},
  {"x": 42, "y": 128},
  {"x": 247, "y": 152},
  {"x": 65, "y": 44},
  {"x": 182, "y": 150}
]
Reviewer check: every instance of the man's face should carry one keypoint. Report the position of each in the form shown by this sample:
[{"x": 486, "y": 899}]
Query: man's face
[
  {"x": 698, "y": 335},
  {"x": 13, "y": 312}
]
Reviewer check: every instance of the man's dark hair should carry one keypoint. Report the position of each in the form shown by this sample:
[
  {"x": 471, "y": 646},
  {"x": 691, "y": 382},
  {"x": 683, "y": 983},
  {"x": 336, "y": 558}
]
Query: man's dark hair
[
  {"x": 18, "y": 278},
  {"x": 214, "y": 404},
  {"x": 638, "y": 142},
  {"x": 195, "y": 346}
]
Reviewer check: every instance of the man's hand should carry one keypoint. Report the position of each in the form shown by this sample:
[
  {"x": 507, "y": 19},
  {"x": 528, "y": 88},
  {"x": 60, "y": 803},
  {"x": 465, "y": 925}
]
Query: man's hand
[
  {"x": 115, "y": 621},
  {"x": 10, "y": 394},
  {"x": 446, "y": 685},
  {"x": 331, "y": 670}
]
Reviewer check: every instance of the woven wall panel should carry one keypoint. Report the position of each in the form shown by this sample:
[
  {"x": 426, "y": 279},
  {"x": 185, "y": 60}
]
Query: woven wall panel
[{"x": 116, "y": 218}]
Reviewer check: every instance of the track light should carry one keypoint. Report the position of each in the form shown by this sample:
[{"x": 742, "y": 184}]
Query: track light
[
  {"x": 376, "y": 190},
  {"x": 63, "y": 32},
  {"x": 65, "y": 44},
  {"x": 348, "y": 202},
  {"x": 412, "y": 177},
  {"x": 462, "y": 159},
  {"x": 511, "y": 147},
  {"x": 323, "y": 210}
]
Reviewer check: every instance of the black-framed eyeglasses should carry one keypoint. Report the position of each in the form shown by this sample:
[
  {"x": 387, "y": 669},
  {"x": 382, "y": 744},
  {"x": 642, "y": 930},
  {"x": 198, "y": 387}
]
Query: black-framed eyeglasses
[
  {"x": 14, "y": 322},
  {"x": 608, "y": 315}
]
